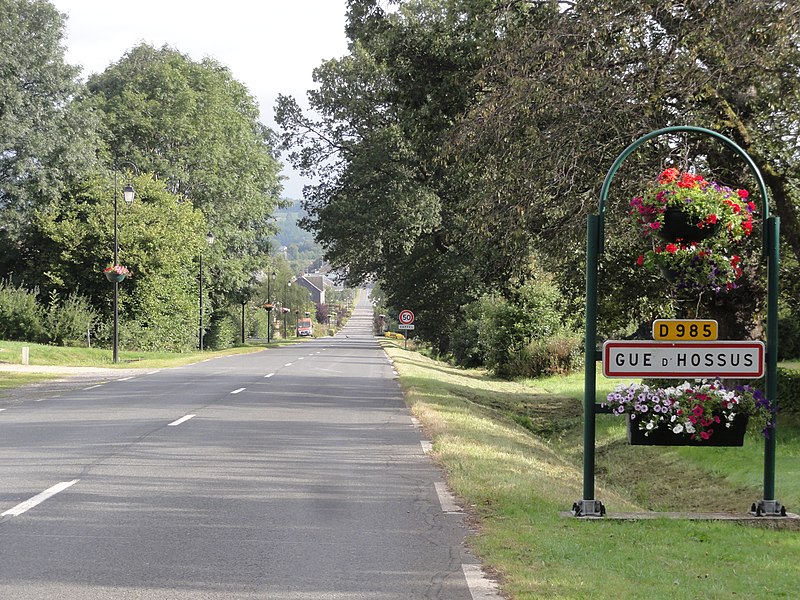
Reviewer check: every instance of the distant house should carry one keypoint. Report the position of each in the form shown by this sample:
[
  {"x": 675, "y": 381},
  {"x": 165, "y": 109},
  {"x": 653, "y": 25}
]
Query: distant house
[{"x": 316, "y": 284}]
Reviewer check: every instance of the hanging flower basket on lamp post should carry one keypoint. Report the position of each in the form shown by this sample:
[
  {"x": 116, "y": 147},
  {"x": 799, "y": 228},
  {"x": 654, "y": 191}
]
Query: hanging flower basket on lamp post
[{"x": 116, "y": 273}]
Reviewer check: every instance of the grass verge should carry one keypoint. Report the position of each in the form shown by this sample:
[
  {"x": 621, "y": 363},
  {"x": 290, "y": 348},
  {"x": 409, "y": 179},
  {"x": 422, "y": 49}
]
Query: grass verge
[
  {"x": 512, "y": 453},
  {"x": 11, "y": 352}
]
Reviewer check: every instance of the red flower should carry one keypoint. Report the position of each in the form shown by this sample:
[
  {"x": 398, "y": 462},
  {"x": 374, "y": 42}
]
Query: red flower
[
  {"x": 668, "y": 176},
  {"x": 640, "y": 260},
  {"x": 711, "y": 219},
  {"x": 743, "y": 193}
]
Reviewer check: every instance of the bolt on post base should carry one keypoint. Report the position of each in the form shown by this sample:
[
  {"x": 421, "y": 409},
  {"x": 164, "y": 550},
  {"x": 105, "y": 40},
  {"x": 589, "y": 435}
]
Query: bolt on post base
[
  {"x": 768, "y": 508},
  {"x": 588, "y": 508}
]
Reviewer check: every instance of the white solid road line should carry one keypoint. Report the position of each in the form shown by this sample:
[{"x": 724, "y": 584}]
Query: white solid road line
[
  {"x": 181, "y": 420},
  {"x": 446, "y": 499},
  {"x": 91, "y": 387},
  {"x": 38, "y": 499},
  {"x": 126, "y": 378},
  {"x": 239, "y": 391},
  {"x": 479, "y": 586}
]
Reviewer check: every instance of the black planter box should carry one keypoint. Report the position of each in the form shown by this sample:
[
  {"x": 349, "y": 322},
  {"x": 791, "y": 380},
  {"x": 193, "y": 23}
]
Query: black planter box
[{"x": 663, "y": 436}]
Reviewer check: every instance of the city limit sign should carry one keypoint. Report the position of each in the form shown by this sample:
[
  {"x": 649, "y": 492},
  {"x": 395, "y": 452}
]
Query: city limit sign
[{"x": 680, "y": 360}]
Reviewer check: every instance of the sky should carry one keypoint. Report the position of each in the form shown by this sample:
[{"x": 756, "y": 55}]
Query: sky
[{"x": 271, "y": 46}]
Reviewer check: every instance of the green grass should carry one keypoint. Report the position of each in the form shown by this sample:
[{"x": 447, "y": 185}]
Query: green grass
[
  {"x": 512, "y": 452},
  {"x": 14, "y": 380},
  {"x": 11, "y": 352}
]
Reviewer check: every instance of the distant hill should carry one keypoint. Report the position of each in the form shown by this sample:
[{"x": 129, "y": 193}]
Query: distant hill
[{"x": 301, "y": 249}]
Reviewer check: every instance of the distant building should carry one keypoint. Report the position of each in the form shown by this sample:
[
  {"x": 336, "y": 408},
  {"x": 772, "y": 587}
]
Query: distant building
[{"x": 316, "y": 284}]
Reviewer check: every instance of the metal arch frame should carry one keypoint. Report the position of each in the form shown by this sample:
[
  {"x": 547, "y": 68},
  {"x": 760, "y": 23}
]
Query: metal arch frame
[{"x": 589, "y": 506}]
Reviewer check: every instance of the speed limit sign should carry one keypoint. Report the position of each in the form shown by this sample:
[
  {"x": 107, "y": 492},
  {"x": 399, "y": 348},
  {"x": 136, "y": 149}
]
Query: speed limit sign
[{"x": 406, "y": 317}]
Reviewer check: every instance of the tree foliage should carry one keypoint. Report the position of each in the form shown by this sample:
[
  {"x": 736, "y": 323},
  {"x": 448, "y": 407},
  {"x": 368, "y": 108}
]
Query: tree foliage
[
  {"x": 47, "y": 130},
  {"x": 160, "y": 241},
  {"x": 193, "y": 125},
  {"x": 460, "y": 138}
]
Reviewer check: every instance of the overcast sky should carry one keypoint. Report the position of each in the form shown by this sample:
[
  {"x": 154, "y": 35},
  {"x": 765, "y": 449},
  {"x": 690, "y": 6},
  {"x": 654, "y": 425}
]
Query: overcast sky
[{"x": 271, "y": 46}]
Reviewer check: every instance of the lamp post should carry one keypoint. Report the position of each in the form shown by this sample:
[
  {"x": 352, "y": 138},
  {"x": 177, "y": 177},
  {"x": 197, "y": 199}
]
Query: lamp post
[
  {"x": 269, "y": 306},
  {"x": 128, "y": 193},
  {"x": 209, "y": 240},
  {"x": 283, "y": 308}
]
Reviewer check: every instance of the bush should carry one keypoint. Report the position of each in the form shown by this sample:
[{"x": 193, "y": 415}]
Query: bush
[
  {"x": 557, "y": 355},
  {"x": 789, "y": 390},
  {"x": 789, "y": 337},
  {"x": 224, "y": 330},
  {"x": 21, "y": 316},
  {"x": 69, "y": 321}
]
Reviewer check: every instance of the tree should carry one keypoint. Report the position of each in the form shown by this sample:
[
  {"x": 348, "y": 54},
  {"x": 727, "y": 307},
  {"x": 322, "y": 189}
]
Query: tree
[
  {"x": 47, "y": 131},
  {"x": 160, "y": 240},
  {"x": 566, "y": 92},
  {"x": 193, "y": 125}
]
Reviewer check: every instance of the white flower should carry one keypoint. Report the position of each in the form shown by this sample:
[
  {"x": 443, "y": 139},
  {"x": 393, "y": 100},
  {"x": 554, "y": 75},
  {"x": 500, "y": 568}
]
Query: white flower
[
  {"x": 650, "y": 425},
  {"x": 678, "y": 428}
]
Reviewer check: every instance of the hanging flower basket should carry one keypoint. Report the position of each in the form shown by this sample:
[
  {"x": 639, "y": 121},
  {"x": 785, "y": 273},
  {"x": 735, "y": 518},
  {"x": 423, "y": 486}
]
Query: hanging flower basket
[
  {"x": 116, "y": 273},
  {"x": 692, "y": 224},
  {"x": 703, "y": 413}
]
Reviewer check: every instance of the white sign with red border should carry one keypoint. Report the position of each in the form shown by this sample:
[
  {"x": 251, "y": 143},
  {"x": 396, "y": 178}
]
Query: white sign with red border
[
  {"x": 406, "y": 317},
  {"x": 679, "y": 360}
]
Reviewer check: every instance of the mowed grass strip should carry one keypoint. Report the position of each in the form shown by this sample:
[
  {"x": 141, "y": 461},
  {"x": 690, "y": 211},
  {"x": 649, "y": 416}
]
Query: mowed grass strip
[
  {"x": 40, "y": 354},
  {"x": 512, "y": 453}
]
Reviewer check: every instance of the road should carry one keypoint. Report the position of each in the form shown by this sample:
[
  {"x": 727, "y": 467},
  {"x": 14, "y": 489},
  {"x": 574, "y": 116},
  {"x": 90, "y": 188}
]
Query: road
[{"x": 294, "y": 473}]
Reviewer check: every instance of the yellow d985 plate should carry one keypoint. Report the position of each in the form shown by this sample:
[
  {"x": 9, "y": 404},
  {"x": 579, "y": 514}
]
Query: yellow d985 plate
[{"x": 685, "y": 329}]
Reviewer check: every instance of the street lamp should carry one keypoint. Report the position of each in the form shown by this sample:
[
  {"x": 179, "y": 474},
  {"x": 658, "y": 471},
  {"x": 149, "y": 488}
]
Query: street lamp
[
  {"x": 283, "y": 308},
  {"x": 209, "y": 240},
  {"x": 269, "y": 306},
  {"x": 128, "y": 193}
]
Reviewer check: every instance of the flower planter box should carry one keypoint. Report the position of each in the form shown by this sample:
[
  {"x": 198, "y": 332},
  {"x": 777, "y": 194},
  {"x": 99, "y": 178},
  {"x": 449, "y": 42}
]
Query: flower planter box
[
  {"x": 679, "y": 226},
  {"x": 663, "y": 436},
  {"x": 111, "y": 276}
]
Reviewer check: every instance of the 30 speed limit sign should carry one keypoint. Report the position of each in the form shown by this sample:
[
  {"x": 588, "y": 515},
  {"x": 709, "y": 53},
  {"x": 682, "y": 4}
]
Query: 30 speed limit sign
[{"x": 406, "y": 317}]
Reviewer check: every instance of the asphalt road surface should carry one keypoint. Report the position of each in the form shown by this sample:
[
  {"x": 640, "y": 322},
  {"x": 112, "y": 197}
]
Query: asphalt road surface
[{"x": 294, "y": 473}]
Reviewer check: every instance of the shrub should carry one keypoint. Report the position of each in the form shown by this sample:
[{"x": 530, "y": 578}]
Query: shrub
[
  {"x": 21, "y": 316},
  {"x": 558, "y": 355},
  {"x": 68, "y": 321},
  {"x": 789, "y": 336},
  {"x": 788, "y": 390}
]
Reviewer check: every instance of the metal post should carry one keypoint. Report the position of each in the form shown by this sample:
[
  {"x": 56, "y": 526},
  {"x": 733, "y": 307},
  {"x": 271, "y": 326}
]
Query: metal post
[
  {"x": 588, "y": 506},
  {"x": 768, "y": 506},
  {"x": 201, "y": 301},
  {"x": 116, "y": 283},
  {"x": 243, "y": 305},
  {"x": 269, "y": 310}
]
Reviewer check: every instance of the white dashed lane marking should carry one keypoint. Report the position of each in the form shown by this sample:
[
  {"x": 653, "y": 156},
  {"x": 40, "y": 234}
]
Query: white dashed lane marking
[
  {"x": 38, "y": 499},
  {"x": 179, "y": 421}
]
